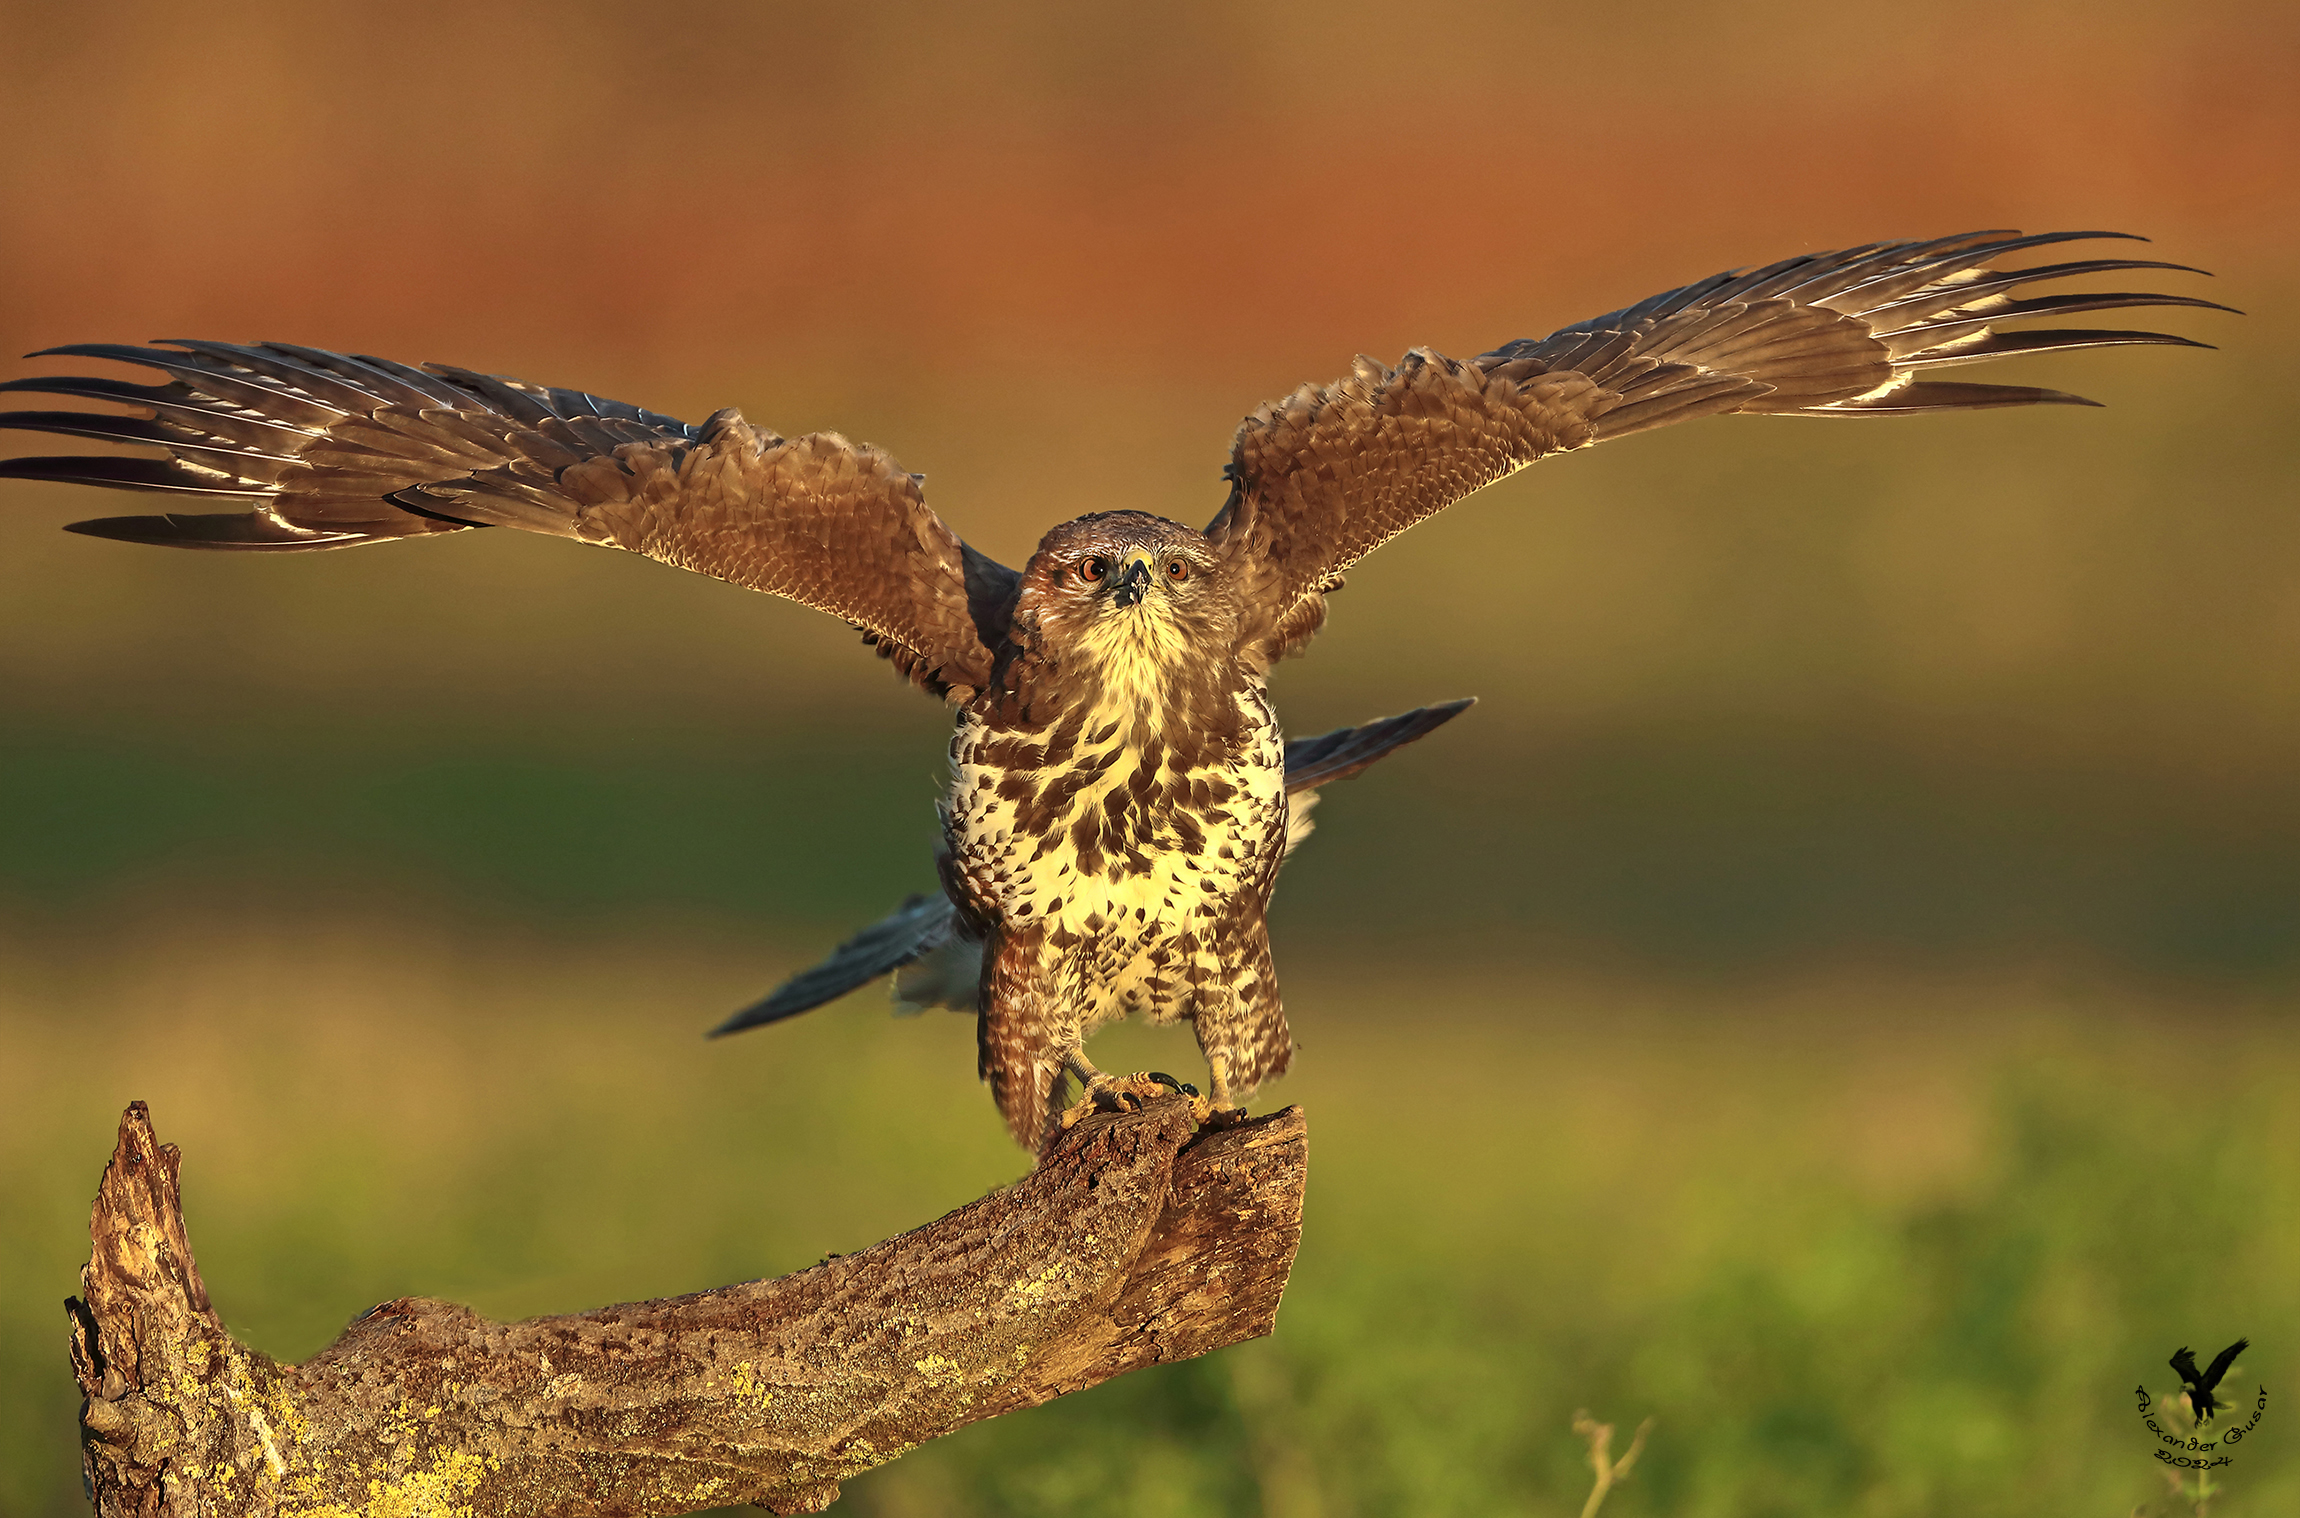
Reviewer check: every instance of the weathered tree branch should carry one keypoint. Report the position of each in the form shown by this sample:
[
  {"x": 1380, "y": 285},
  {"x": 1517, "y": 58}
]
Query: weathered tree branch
[{"x": 1142, "y": 1238}]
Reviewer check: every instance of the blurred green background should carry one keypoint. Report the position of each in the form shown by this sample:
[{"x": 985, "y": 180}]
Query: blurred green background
[{"x": 1832, "y": 995}]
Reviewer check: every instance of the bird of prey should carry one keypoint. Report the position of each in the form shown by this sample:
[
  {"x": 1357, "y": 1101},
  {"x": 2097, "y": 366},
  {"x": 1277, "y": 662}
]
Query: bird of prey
[
  {"x": 1117, "y": 805},
  {"x": 936, "y": 962},
  {"x": 2200, "y": 1387}
]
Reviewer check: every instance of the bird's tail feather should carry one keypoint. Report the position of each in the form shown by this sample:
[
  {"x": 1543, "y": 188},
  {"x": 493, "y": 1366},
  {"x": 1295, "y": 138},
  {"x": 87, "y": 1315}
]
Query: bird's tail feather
[
  {"x": 947, "y": 975},
  {"x": 919, "y": 926},
  {"x": 1312, "y": 762}
]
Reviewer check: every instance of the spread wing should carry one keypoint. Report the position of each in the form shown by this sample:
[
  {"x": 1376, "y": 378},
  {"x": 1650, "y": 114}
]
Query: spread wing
[
  {"x": 2221, "y": 1362},
  {"x": 924, "y": 924},
  {"x": 1326, "y": 475},
  {"x": 2183, "y": 1365},
  {"x": 320, "y": 450}
]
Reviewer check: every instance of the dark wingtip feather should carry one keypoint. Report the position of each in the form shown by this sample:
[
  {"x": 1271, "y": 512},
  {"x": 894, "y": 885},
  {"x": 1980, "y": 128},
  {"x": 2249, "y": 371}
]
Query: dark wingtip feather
[
  {"x": 1949, "y": 395},
  {"x": 126, "y": 353},
  {"x": 2034, "y": 340},
  {"x": 158, "y": 530},
  {"x": 119, "y": 472},
  {"x": 239, "y": 530}
]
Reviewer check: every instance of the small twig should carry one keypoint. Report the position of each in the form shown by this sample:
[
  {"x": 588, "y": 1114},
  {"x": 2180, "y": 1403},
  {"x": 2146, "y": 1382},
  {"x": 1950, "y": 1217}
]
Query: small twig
[{"x": 1600, "y": 1440}]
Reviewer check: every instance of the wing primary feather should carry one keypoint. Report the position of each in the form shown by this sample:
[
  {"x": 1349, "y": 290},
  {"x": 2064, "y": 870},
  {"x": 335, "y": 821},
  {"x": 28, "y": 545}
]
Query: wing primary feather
[
  {"x": 501, "y": 395},
  {"x": 119, "y": 473},
  {"x": 412, "y": 499},
  {"x": 1966, "y": 292},
  {"x": 108, "y": 427},
  {"x": 1832, "y": 275},
  {"x": 1991, "y": 313},
  {"x": 1907, "y": 279},
  {"x": 226, "y": 530},
  {"x": 244, "y": 391},
  {"x": 175, "y": 400},
  {"x": 285, "y": 372},
  {"x": 1945, "y": 395},
  {"x": 394, "y": 384},
  {"x": 2035, "y": 340}
]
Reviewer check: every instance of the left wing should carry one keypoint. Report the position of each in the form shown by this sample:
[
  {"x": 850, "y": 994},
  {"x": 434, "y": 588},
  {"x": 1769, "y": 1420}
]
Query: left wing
[
  {"x": 1323, "y": 477},
  {"x": 325, "y": 450}
]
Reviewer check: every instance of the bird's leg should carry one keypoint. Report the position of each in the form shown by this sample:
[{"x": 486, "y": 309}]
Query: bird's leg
[
  {"x": 1113, "y": 1093},
  {"x": 1218, "y": 1100},
  {"x": 1075, "y": 1061},
  {"x": 1100, "y": 1093}
]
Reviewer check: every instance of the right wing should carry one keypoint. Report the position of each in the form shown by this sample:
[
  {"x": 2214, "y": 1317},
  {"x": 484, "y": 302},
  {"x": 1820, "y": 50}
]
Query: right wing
[
  {"x": 924, "y": 925},
  {"x": 2221, "y": 1362},
  {"x": 1322, "y": 477},
  {"x": 320, "y": 450}
]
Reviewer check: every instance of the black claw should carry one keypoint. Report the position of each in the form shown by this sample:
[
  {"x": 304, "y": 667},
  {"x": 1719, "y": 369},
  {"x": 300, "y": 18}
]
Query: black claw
[{"x": 1183, "y": 1088}]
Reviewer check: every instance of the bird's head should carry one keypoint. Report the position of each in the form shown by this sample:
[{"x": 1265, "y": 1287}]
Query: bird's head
[{"x": 1129, "y": 596}]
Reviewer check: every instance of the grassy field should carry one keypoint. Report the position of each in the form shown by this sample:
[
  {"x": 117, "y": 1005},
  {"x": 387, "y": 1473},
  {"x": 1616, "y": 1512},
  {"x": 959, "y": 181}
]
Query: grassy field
[{"x": 1858, "y": 1245}]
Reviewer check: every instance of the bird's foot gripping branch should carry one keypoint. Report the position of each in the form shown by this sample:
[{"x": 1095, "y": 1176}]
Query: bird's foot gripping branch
[{"x": 1140, "y": 1238}]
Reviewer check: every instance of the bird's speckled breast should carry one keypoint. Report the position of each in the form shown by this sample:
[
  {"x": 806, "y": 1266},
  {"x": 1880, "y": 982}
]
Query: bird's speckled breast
[{"x": 1133, "y": 852}]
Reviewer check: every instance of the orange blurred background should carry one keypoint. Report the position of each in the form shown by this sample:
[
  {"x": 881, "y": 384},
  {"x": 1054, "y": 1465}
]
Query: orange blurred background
[
  {"x": 1892, "y": 709},
  {"x": 1998, "y": 666}
]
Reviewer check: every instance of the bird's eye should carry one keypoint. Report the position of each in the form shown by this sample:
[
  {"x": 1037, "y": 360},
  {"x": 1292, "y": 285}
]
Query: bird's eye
[
  {"x": 1177, "y": 569},
  {"x": 1093, "y": 569}
]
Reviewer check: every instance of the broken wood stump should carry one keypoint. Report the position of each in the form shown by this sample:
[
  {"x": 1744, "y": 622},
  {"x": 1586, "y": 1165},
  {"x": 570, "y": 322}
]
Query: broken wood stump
[{"x": 1142, "y": 1238}]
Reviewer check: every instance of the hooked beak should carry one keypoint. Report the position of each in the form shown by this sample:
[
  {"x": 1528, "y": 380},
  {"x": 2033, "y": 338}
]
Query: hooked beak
[{"x": 1130, "y": 585}]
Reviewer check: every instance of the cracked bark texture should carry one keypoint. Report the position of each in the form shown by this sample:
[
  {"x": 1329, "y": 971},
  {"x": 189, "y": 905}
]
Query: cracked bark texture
[{"x": 1141, "y": 1238}]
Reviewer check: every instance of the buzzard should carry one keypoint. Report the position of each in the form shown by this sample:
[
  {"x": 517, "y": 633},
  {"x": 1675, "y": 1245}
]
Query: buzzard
[
  {"x": 2200, "y": 1399},
  {"x": 1117, "y": 807},
  {"x": 925, "y": 931}
]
